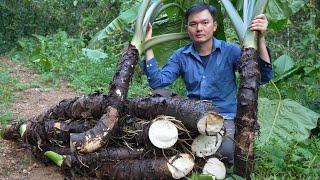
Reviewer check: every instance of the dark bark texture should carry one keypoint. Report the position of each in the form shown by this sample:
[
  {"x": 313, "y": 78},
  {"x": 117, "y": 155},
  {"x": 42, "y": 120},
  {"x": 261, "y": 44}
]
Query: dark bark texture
[
  {"x": 186, "y": 110},
  {"x": 246, "y": 119},
  {"x": 94, "y": 160},
  {"x": 118, "y": 88},
  {"x": 84, "y": 108},
  {"x": 99, "y": 134},
  {"x": 135, "y": 169}
]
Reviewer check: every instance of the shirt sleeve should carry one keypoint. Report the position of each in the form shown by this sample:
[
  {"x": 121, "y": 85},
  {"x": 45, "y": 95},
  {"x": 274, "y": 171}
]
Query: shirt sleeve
[
  {"x": 265, "y": 69},
  {"x": 160, "y": 78}
]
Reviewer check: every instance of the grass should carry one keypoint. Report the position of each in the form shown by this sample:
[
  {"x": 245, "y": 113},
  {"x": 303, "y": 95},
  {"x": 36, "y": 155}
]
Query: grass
[
  {"x": 7, "y": 85},
  {"x": 297, "y": 160}
]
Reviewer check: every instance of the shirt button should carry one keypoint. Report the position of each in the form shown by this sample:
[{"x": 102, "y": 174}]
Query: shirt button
[{"x": 203, "y": 77}]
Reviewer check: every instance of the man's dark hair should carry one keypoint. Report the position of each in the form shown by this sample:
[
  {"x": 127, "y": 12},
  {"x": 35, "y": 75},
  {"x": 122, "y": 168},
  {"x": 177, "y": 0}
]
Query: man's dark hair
[{"x": 198, "y": 7}]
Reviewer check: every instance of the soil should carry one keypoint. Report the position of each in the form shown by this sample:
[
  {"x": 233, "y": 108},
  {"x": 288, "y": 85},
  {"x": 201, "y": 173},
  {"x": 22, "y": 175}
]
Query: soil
[{"x": 16, "y": 161}]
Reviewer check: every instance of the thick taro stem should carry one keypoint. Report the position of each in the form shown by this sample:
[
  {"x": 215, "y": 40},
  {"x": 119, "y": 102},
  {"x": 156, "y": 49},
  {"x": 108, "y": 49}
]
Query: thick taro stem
[
  {"x": 246, "y": 118},
  {"x": 93, "y": 160},
  {"x": 118, "y": 88},
  {"x": 174, "y": 167},
  {"x": 97, "y": 137},
  {"x": 195, "y": 115}
]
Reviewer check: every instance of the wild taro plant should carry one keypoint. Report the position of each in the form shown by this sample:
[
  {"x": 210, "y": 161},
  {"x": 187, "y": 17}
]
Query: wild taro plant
[{"x": 247, "y": 109}]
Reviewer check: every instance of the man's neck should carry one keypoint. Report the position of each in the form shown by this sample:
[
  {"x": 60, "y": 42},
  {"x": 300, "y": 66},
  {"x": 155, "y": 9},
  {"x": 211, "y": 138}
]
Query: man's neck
[{"x": 204, "y": 49}]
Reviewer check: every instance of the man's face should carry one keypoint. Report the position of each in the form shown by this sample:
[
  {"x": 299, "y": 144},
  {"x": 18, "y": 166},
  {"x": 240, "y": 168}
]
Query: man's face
[{"x": 201, "y": 27}]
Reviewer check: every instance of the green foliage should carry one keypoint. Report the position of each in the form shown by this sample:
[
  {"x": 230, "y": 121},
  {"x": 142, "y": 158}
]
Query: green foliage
[
  {"x": 282, "y": 9},
  {"x": 299, "y": 79},
  {"x": 79, "y": 17},
  {"x": 7, "y": 85},
  {"x": 59, "y": 55},
  {"x": 5, "y": 118},
  {"x": 296, "y": 160},
  {"x": 196, "y": 176},
  {"x": 285, "y": 121}
]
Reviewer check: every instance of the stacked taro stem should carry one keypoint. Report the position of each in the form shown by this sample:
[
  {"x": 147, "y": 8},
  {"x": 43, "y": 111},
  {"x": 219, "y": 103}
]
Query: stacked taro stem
[{"x": 110, "y": 136}]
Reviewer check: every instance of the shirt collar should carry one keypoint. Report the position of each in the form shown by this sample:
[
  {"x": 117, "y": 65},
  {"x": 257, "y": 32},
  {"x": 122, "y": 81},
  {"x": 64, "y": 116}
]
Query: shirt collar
[{"x": 216, "y": 44}]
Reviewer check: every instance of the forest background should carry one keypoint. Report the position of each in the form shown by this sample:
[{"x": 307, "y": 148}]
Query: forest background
[{"x": 53, "y": 37}]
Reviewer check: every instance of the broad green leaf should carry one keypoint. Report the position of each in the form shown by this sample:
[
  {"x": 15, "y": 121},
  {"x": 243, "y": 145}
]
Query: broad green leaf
[
  {"x": 282, "y": 9},
  {"x": 283, "y": 64},
  {"x": 94, "y": 54},
  {"x": 277, "y": 10},
  {"x": 277, "y": 24},
  {"x": 285, "y": 120},
  {"x": 118, "y": 23},
  {"x": 296, "y": 70}
]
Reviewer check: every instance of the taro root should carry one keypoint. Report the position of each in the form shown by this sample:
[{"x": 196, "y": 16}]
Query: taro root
[{"x": 200, "y": 116}]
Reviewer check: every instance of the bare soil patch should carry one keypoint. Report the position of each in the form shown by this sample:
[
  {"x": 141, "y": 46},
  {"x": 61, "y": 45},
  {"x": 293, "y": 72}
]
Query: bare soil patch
[{"x": 16, "y": 161}]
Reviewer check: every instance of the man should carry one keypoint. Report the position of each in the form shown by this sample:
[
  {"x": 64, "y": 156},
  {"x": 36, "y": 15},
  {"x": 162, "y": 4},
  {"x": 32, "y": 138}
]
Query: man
[{"x": 208, "y": 65}]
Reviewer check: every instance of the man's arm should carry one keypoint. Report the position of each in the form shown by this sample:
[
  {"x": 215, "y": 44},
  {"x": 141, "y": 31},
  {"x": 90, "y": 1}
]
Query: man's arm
[
  {"x": 159, "y": 78},
  {"x": 260, "y": 24}
]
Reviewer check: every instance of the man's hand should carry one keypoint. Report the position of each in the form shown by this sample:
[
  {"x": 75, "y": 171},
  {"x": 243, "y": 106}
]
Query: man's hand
[
  {"x": 149, "y": 52},
  {"x": 260, "y": 24},
  {"x": 149, "y": 32}
]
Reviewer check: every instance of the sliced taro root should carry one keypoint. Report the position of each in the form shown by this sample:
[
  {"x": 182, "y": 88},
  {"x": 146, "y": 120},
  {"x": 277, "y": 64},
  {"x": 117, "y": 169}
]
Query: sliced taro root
[
  {"x": 163, "y": 134},
  {"x": 204, "y": 145},
  {"x": 215, "y": 168}
]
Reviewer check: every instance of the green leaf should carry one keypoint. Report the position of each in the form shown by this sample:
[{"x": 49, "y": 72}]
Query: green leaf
[
  {"x": 197, "y": 176},
  {"x": 276, "y": 25},
  {"x": 94, "y": 54},
  {"x": 285, "y": 120},
  {"x": 278, "y": 9},
  {"x": 282, "y": 9},
  {"x": 283, "y": 64},
  {"x": 118, "y": 23},
  {"x": 294, "y": 71}
]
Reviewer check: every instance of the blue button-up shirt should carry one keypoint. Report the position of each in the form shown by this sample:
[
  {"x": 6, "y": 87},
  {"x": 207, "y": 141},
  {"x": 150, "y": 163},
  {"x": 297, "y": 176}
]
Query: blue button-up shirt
[{"x": 216, "y": 81}]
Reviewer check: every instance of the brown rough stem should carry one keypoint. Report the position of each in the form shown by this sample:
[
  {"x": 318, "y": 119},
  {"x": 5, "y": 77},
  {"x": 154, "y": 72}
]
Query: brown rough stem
[
  {"x": 83, "y": 107},
  {"x": 246, "y": 119},
  {"x": 88, "y": 163},
  {"x": 160, "y": 168},
  {"x": 189, "y": 112},
  {"x": 97, "y": 137}
]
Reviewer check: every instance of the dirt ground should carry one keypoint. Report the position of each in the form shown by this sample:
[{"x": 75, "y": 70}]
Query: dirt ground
[{"x": 16, "y": 162}]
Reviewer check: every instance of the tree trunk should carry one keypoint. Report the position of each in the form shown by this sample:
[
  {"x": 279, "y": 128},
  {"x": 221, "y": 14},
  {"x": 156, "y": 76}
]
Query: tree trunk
[{"x": 246, "y": 119}]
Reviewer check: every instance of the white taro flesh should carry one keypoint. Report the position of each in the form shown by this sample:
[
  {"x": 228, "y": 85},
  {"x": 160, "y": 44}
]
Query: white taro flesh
[
  {"x": 204, "y": 145},
  {"x": 180, "y": 165},
  {"x": 163, "y": 134},
  {"x": 210, "y": 124},
  {"x": 215, "y": 168}
]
